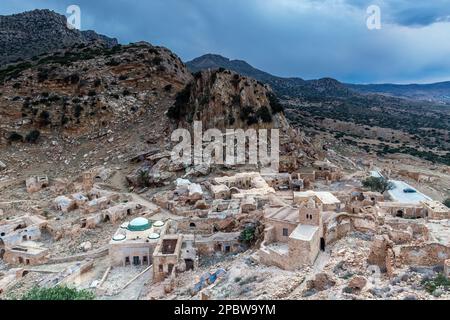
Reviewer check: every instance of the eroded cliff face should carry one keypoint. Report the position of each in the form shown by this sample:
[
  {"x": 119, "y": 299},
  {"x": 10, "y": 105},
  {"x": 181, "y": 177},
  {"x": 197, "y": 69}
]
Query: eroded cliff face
[{"x": 223, "y": 100}]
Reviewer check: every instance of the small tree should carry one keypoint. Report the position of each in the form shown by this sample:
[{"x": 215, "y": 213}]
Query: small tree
[
  {"x": 44, "y": 118},
  {"x": 248, "y": 235},
  {"x": 447, "y": 202},
  {"x": 58, "y": 293},
  {"x": 143, "y": 178},
  {"x": 377, "y": 184}
]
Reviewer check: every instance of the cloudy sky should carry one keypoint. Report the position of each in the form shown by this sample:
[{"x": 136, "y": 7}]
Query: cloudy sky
[{"x": 303, "y": 38}]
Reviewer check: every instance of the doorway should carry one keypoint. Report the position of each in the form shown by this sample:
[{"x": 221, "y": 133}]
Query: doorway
[
  {"x": 322, "y": 244},
  {"x": 189, "y": 264}
]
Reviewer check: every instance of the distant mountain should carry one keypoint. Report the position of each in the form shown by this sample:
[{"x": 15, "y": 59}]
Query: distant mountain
[
  {"x": 323, "y": 88},
  {"x": 288, "y": 87},
  {"x": 29, "y": 34},
  {"x": 435, "y": 92}
]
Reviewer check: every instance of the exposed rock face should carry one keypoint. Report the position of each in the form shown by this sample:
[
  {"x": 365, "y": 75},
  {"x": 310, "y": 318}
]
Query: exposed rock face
[
  {"x": 32, "y": 33},
  {"x": 223, "y": 100}
]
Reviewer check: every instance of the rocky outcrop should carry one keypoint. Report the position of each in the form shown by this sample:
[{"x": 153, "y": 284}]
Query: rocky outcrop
[
  {"x": 29, "y": 34},
  {"x": 222, "y": 99}
]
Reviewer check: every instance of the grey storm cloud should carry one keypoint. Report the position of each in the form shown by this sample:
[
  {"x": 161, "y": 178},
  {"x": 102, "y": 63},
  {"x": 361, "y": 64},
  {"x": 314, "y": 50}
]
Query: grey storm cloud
[{"x": 304, "y": 38}]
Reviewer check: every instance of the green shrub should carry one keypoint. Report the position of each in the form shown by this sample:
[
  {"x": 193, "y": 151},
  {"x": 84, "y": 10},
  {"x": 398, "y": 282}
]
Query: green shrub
[
  {"x": 246, "y": 112},
  {"x": 264, "y": 114},
  {"x": 58, "y": 293},
  {"x": 44, "y": 118},
  {"x": 143, "y": 179},
  {"x": 15, "y": 137},
  {"x": 440, "y": 280},
  {"x": 447, "y": 202},
  {"x": 178, "y": 110},
  {"x": 248, "y": 235},
  {"x": 77, "y": 111},
  {"x": 33, "y": 136},
  {"x": 275, "y": 104}
]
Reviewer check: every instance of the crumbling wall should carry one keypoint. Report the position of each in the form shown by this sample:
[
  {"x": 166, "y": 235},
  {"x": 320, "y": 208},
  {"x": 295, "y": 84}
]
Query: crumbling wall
[{"x": 427, "y": 254}]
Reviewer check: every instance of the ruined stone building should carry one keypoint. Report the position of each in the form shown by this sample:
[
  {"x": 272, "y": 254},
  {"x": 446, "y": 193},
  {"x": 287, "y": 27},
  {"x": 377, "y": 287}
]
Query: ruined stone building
[
  {"x": 293, "y": 235},
  {"x": 19, "y": 241}
]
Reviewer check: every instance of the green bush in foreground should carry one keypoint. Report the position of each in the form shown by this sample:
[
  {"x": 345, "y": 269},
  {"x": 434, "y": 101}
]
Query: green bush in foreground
[
  {"x": 58, "y": 293},
  {"x": 440, "y": 281}
]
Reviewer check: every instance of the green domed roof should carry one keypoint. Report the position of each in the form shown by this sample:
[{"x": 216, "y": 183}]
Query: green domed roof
[{"x": 139, "y": 224}]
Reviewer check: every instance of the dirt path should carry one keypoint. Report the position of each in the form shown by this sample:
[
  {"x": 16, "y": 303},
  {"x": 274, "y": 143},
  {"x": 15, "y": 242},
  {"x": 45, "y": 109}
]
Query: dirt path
[{"x": 319, "y": 265}]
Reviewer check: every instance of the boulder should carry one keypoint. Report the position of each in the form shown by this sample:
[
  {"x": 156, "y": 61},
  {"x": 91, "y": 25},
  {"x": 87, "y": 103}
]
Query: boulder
[
  {"x": 86, "y": 246},
  {"x": 321, "y": 282},
  {"x": 201, "y": 205},
  {"x": 357, "y": 283}
]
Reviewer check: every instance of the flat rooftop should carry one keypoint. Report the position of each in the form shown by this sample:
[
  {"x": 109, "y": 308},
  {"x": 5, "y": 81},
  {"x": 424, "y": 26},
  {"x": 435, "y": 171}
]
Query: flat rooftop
[
  {"x": 304, "y": 232},
  {"x": 399, "y": 195},
  {"x": 279, "y": 247},
  {"x": 287, "y": 214},
  {"x": 327, "y": 197}
]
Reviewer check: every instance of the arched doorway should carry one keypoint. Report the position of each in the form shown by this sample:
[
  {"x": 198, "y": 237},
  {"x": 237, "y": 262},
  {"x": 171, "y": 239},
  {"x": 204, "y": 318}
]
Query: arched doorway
[
  {"x": 189, "y": 264},
  {"x": 322, "y": 244},
  {"x": 399, "y": 214}
]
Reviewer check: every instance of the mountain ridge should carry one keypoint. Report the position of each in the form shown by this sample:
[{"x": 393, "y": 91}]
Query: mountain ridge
[
  {"x": 326, "y": 87},
  {"x": 32, "y": 33}
]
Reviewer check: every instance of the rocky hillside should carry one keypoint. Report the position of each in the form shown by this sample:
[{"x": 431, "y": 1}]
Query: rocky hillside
[
  {"x": 224, "y": 99},
  {"x": 88, "y": 105},
  {"x": 82, "y": 89},
  {"x": 29, "y": 34}
]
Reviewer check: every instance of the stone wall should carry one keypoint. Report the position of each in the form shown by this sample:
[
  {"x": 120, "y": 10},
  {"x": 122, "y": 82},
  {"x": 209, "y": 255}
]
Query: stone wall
[{"x": 428, "y": 254}]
